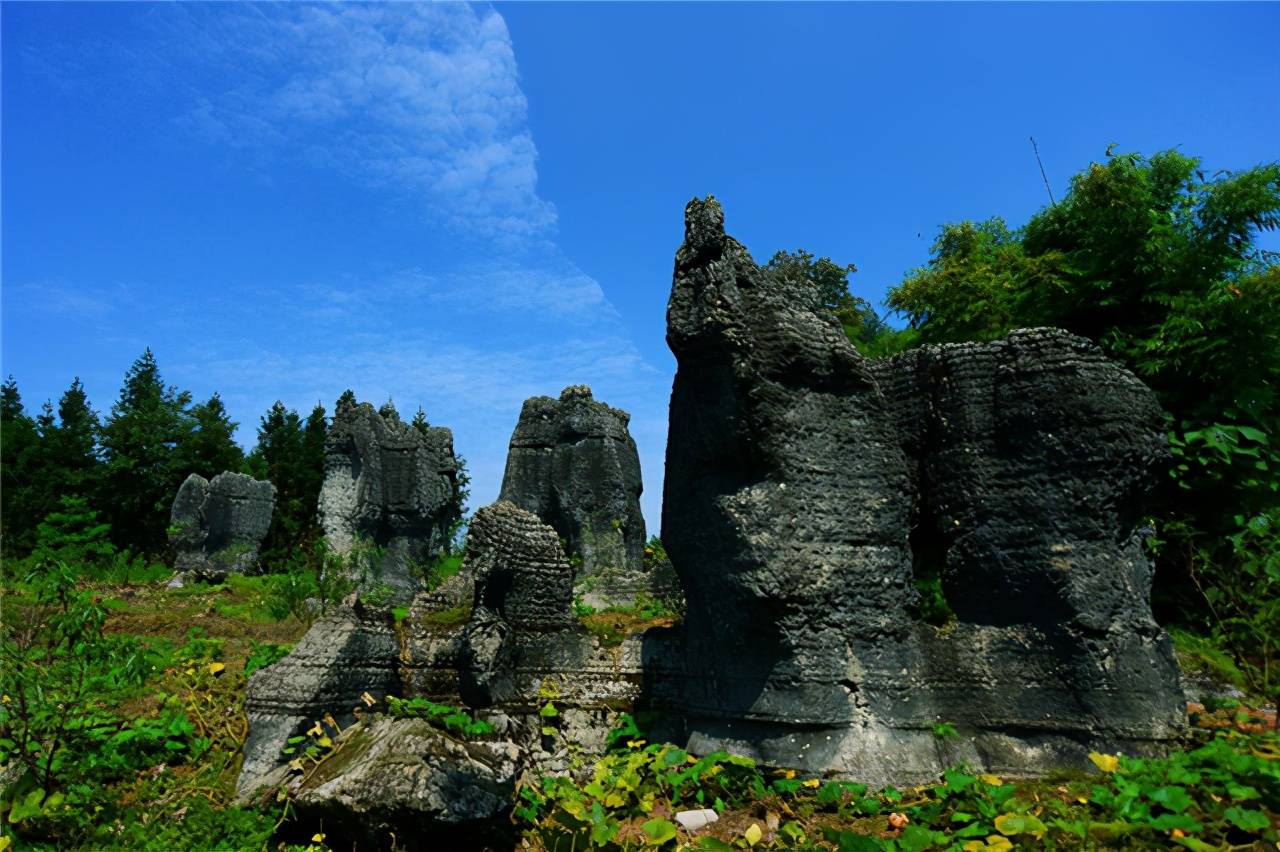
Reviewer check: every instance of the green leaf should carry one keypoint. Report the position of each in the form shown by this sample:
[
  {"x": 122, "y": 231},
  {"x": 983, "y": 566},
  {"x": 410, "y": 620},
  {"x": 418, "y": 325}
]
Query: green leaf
[
  {"x": 659, "y": 831},
  {"x": 1175, "y": 799},
  {"x": 1168, "y": 822},
  {"x": 916, "y": 838},
  {"x": 1253, "y": 434},
  {"x": 1246, "y": 819}
]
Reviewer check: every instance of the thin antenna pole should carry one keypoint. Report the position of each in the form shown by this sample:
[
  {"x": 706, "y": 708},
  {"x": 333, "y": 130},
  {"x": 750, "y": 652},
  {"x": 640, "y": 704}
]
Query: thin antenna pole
[{"x": 1042, "y": 175}]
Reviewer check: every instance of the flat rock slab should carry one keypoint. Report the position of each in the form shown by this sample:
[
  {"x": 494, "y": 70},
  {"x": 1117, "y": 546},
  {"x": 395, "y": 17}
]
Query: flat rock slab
[{"x": 403, "y": 777}]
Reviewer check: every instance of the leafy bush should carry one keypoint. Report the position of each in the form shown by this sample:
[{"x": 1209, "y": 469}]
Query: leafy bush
[
  {"x": 439, "y": 715},
  {"x": 263, "y": 655}
]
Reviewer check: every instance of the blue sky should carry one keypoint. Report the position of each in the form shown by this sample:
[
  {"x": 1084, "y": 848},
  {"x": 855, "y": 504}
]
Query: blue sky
[{"x": 462, "y": 206}]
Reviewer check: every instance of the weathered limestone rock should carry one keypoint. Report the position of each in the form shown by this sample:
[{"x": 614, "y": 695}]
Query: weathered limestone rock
[
  {"x": 399, "y": 783},
  {"x": 499, "y": 635},
  {"x": 389, "y": 495},
  {"x": 344, "y": 655},
  {"x": 806, "y": 487},
  {"x": 574, "y": 465},
  {"x": 217, "y": 526},
  {"x": 523, "y": 585}
]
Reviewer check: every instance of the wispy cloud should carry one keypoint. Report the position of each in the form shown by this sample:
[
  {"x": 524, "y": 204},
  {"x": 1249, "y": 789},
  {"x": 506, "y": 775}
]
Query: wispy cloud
[{"x": 410, "y": 97}]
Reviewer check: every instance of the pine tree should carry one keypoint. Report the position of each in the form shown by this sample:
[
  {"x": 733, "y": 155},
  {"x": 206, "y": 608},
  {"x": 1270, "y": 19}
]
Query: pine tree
[
  {"x": 211, "y": 448},
  {"x": 139, "y": 442},
  {"x": 420, "y": 421},
  {"x": 291, "y": 455},
  {"x": 73, "y": 466},
  {"x": 20, "y": 476},
  {"x": 388, "y": 411},
  {"x": 312, "y": 473},
  {"x": 345, "y": 402}
]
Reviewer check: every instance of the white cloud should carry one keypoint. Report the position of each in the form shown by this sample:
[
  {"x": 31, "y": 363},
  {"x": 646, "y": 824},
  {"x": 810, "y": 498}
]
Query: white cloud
[{"x": 419, "y": 98}]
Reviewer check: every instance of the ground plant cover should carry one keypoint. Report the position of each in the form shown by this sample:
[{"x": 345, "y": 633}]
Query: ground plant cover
[{"x": 123, "y": 724}]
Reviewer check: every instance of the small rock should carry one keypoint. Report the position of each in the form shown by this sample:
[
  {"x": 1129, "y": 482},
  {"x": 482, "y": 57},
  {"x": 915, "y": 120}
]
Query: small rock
[{"x": 694, "y": 820}]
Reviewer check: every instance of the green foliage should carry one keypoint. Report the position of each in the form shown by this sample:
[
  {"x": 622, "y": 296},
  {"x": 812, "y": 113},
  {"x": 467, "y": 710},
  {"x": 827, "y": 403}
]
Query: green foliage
[
  {"x": 62, "y": 681},
  {"x": 290, "y": 454},
  {"x": 73, "y": 535},
  {"x": 614, "y": 624},
  {"x": 210, "y": 447},
  {"x": 435, "y": 571},
  {"x": 22, "y": 498},
  {"x": 263, "y": 655},
  {"x": 624, "y": 788},
  {"x": 946, "y": 731},
  {"x": 315, "y": 580},
  {"x": 139, "y": 438},
  {"x": 1157, "y": 264},
  {"x": 824, "y": 286},
  {"x": 441, "y": 716}
]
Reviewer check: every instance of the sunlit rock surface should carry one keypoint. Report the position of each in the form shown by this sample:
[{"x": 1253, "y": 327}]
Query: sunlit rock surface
[
  {"x": 574, "y": 465},
  {"x": 387, "y": 503}
]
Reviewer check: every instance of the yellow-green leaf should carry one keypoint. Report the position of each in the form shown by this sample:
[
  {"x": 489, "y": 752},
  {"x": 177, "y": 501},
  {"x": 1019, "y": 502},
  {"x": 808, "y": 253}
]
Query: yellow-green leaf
[
  {"x": 214, "y": 668},
  {"x": 1105, "y": 762},
  {"x": 988, "y": 778},
  {"x": 753, "y": 834}
]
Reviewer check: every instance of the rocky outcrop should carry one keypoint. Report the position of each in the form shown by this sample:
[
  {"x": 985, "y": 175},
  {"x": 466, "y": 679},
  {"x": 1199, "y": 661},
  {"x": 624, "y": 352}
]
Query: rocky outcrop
[
  {"x": 389, "y": 498},
  {"x": 574, "y": 465},
  {"x": 217, "y": 526},
  {"x": 400, "y": 783},
  {"x": 498, "y": 636},
  {"x": 523, "y": 588},
  {"x": 808, "y": 488},
  {"x": 344, "y": 655}
]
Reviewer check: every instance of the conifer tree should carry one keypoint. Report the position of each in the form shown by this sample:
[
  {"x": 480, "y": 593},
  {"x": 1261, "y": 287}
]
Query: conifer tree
[
  {"x": 19, "y": 473},
  {"x": 420, "y": 421},
  {"x": 290, "y": 453},
  {"x": 73, "y": 467},
  {"x": 139, "y": 441},
  {"x": 210, "y": 448}
]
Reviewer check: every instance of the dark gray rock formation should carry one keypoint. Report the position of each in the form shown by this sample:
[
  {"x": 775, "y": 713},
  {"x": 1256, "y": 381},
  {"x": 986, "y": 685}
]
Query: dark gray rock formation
[
  {"x": 499, "y": 635},
  {"x": 573, "y": 464},
  {"x": 399, "y": 783},
  {"x": 523, "y": 584},
  {"x": 807, "y": 487},
  {"x": 389, "y": 496},
  {"x": 343, "y": 656},
  {"x": 217, "y": 526}
]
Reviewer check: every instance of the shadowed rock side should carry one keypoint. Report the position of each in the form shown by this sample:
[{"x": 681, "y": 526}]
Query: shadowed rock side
[
  {"x": 574, "y": 465},
  {"x": 802, "y": 484},
  {"x": 218, "y": 525},
  {"x": 388, "y": 495}
]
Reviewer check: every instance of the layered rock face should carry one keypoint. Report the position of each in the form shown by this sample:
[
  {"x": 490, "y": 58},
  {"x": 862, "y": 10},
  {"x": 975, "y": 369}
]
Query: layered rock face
[
  {"x": 218, "y": 525},
  {"x": 388, "y": 498},
  {"x": 499, "y": 636},
  {"x": 574, "y": 465},
  {"x": 807, "y": 487}
]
